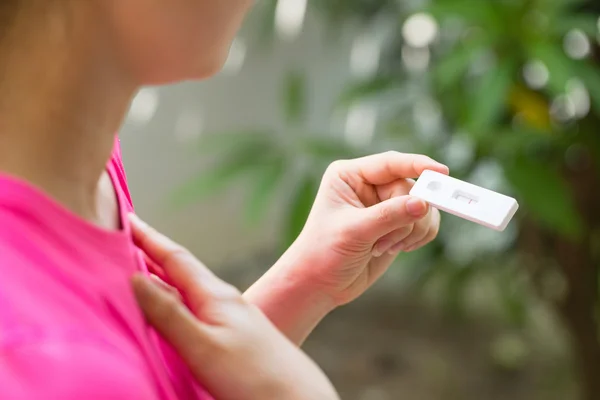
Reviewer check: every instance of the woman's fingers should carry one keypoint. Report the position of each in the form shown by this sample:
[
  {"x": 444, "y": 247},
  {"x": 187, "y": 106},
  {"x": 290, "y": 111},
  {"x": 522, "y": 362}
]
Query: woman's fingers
[
  {"x": 383, "y": 218},
  {"x": 418, "y": 233},
  {"x": 399, "y": 187},
  {"x": 432, "y": 229},
  {"x": 411, "y": 236},
  {"x": 383, "y": 168},
  {"x": 386, "y": 243},
  {"x": 163, "y": 251},
  {"x": 172, "y": 319},
  {"x": 197, "y": 283}
]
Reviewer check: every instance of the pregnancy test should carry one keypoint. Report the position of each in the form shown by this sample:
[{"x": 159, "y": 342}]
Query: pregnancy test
[{"x": 465, "y": 200}]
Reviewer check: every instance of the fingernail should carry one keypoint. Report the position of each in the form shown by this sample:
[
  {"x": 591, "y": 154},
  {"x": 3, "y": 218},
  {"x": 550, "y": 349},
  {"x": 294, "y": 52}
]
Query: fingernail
[
  {"x": 381, "y": 247},
  {"x": 444, "y": 168},
  {"x": 416, "y": 207},
  {"x": 397, "y": 248},
  {"x": 141, "y": 284},
  {"x": 159, "y": 282}
]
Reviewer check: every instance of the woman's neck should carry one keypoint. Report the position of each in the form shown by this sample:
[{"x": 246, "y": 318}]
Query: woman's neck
[{"x": 62, "y": 98}]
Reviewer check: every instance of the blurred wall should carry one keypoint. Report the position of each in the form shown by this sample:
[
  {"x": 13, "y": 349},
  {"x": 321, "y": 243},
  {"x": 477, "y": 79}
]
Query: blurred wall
[{"x": 158, "y": 138}]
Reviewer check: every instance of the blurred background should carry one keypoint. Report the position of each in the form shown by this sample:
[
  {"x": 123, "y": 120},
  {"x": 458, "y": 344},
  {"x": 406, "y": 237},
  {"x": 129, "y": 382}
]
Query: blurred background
[{"x": 506, "y": 92}]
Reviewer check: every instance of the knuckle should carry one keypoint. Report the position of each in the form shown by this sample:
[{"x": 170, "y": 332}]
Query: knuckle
[
  {"x": 384, "y": 215},
  {"x": 337, "y": 165},
  {"x": 232, "y": 293},
  {"x": 423, "y": 158},
  {"x": 409, "y": 229},
  {"x": 342, "y": 235},
  {"x": 391, "y": 153},
  {"x": 223, "y": 292},
  {"x": 414, "y": 164}
]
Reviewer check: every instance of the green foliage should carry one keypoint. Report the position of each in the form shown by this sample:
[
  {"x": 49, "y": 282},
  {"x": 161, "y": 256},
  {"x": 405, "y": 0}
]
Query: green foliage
[
  {"x": 513, "y": 33},
  {"x": 268, "y": 161},
  {"x": 337, "y": 11},
  {"x": 490, "y": 97},
  {"x": 301, "y": 202},
  {"x": 264, "y": 189},
  {"x": 247, "y": 152},
  {"x": 295, "y": 97},
  {"x": 546, "y": 195},
  {"x": 476, "y": 76},
  {"x": 363, "y": 89}
]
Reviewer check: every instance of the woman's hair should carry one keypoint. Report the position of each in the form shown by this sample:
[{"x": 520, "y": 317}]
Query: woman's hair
[
  {"x": 8, "y": 7},
  {"x": 13, "y": 12},
  {"x": 8, "y": 13}
]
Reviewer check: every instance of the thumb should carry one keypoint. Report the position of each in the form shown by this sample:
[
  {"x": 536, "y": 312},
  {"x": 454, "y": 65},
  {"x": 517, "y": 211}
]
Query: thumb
[
  {"x": 389, "y": 215},
  {"x": 172, "y": 320}
]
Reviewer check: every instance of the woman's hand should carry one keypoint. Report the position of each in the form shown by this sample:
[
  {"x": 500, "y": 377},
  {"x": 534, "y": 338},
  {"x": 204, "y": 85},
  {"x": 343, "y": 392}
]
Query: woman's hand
[
  {"x": 232, "y": 349},
  {"x": 361, "y": 219}
]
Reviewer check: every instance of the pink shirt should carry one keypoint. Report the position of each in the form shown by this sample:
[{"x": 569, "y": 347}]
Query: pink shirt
[{"x": 69, "y": 325}]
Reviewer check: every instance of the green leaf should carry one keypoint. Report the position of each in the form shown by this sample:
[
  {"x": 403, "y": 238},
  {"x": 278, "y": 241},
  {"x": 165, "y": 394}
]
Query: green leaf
[
  {"x": 299, "y": 208},
  {"x": 590, "y": 76},
  {"x": 508, "y": 143},
  {"x": 481, "y": 14},
  {"x": 562, "y": 69},
  {"x": 558, "y": 64},
  {"x": 267, "y": 183},
  {"x": 233, "y": 141},
  {"x": 561, "y": 8},
  {"x": 545, "y": 195},
  {"x": 328, "y": 149},
  {"x": 266, "y": 20},
  {"x": 489, "y": 99},
  {"x": 295, "y": 97},
  {"x": 450, "y": 69},
  {"x": 584, "y": 22},
  {"x": 239, "y": 162},
  {"x": 368, "y": 88}
]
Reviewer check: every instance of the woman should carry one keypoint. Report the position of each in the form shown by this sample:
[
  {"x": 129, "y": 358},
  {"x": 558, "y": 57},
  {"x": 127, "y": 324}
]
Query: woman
[{"x": 70, "y": 327}]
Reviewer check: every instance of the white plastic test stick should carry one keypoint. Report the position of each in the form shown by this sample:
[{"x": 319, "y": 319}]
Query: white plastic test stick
[{"x": 465, "y": 200}]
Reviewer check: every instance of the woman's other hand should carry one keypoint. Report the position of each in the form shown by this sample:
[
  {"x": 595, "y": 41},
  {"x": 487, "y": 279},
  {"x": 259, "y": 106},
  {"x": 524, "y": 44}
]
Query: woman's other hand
[{"x": 232, "y": 349}]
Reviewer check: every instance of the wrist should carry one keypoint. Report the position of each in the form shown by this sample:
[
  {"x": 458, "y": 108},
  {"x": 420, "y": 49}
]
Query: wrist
[
  {"x": 290, "y": 298},
  {"x": 285, "y": 287},
  {"x": 298, "y": 269}
]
